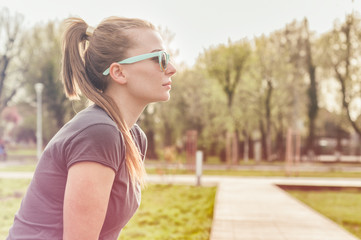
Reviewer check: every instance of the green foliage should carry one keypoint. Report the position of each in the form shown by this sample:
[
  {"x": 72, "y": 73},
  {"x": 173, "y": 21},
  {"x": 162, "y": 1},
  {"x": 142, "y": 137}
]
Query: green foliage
[
  {"x": 343, "y": 207},
  {"x": 203, "y": 103},
  {"x": 226, "y": 63},
  {"x": 12, "y": 61},
  {"x": 340, "y": 60},
  {"x": 196, "y": 103},
  {"x": 45, "y": 48},
  {"x": 257, "y": 88},
  {"x": 172, "y": 212}
]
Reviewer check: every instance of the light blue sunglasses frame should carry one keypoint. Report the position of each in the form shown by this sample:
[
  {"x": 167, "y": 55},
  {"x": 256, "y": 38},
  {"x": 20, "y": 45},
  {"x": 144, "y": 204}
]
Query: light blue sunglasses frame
[{"x": 142, "y": 57}]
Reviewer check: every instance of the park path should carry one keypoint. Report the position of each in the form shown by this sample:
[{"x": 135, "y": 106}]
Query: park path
[
  {"x": 261, "y": 211},
  {"x": 256, "y": 209}
]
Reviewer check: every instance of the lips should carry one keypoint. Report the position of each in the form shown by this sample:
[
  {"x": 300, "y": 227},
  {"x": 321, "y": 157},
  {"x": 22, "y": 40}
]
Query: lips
[{"x": 167, "y": 83}]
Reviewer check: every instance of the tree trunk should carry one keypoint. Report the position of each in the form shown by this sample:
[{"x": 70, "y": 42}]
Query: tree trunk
[
  {"x": 229, "y": 148},
  {"x": 245, "y": 146},
  {"x": 280, "y": 145},
  {"x": 268, "y": 149},
  {"x": 235, "y": 148},
  {"x": 312, "y": 95},
  {"x": 263, "y": 141}
]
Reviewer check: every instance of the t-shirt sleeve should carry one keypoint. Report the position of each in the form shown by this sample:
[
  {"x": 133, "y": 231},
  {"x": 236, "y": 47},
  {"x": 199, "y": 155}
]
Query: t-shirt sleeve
[{"x": 97, "y": 143}]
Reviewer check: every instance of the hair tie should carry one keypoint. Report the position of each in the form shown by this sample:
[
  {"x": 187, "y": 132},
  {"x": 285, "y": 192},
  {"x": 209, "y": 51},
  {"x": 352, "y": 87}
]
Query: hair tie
[{"x": 89, "y": 31}]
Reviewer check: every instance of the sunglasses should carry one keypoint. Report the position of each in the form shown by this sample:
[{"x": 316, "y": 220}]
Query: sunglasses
[{"x": 163, "y": 59}]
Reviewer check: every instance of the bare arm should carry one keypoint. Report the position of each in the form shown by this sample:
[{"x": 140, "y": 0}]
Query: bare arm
[{"x": 86, "y": 200}]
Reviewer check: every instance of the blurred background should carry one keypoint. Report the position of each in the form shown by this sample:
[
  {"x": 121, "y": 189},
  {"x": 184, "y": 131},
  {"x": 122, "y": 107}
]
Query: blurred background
[
  {"x": 260, "y": 81},
  {"x": 263, "y": 88}
]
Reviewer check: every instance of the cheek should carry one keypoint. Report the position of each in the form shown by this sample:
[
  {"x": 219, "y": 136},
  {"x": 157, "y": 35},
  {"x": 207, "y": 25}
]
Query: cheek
[
  {"x": 145, "y": 83},
  {"x": 145, "y": 73}
]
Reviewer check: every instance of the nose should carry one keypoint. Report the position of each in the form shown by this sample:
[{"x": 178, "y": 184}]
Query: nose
[{"x": 171, "y": 70}]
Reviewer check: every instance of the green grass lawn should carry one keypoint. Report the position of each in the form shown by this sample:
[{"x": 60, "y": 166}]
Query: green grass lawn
[
  {"x": 22, "y": 152},
  {"x": 11, "y": 193},
  {"x": 172, "y": 212},
  {"x": 19, "y": 168},
  {"x": 343, "y": 207},
  {"x": 166, "y": 211}
]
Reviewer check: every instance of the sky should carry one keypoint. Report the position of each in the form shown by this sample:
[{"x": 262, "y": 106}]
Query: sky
[{"x": 197, "y": 24}]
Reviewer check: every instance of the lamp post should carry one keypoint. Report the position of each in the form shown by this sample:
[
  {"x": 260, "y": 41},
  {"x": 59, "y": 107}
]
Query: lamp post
[{"x": 39, "y": 135}]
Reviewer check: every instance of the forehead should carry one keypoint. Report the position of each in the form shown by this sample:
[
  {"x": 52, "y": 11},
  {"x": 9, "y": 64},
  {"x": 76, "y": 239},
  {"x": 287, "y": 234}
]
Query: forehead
[{"x": 145, "y": 40}]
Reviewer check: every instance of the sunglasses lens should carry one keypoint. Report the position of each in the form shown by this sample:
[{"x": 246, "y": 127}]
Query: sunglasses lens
[{"x": 164, "y": 61}]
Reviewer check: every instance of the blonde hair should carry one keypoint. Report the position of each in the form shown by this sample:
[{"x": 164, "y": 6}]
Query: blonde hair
[{"x": 85, "y": 57}]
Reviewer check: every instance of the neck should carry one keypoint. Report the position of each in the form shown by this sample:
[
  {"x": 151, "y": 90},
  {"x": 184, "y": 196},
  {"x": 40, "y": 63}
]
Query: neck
[
  {"x": 130, "y": 109},
  {"x": 130, "y": 112}
]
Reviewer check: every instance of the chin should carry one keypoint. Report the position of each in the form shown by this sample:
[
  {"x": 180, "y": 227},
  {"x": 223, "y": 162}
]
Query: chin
[{"x": 164, "y": 98}]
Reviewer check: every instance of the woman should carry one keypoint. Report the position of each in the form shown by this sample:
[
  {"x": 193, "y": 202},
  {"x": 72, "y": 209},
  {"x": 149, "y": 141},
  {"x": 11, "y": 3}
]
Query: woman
[{"x": 87, "y": 182}]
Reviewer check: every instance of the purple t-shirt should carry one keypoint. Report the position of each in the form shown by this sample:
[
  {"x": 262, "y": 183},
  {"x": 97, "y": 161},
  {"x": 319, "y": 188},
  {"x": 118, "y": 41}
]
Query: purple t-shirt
[{"x": 90, "y": 136}]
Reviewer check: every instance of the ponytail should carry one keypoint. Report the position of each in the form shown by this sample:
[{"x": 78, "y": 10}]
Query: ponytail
[{"x": 81, "y": 74}]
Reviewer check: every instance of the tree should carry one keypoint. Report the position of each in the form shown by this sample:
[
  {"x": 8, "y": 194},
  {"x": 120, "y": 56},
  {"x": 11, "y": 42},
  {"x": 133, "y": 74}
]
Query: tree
[
  {"x": 226, "y": 64},
  {"x": 342, "y": 55},
  {"x": 201, "y": 99},
  {"x": 295, "y": 44},
  {"x": 311, "y": 91},
  {"x": 267, "y": 60},
  {"x": 11, "y": 67},
  {"x": 45, "y": 48},
  {"x": 248, "y": 110},
  {"x": 273, "y": 69}
]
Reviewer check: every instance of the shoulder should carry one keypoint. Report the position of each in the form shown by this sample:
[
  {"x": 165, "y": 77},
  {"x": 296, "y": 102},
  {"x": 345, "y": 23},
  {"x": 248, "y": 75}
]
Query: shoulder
[
  {"x": 93, "y": 115},
  {"x": 97, "y": 143},
  {"x": 93, "y": 136},
  {"x": 91, "y": 121},
  {"x": 100, "y": 133}
]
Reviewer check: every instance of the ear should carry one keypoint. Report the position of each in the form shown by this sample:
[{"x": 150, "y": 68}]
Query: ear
[{"x": 116, "y": 72}]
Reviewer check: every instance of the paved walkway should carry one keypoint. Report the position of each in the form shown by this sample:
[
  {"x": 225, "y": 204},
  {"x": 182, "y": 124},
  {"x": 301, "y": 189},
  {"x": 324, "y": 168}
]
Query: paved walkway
[
  {"x": 262, "y": 211},
  {"x": 256, "y": 209}
]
